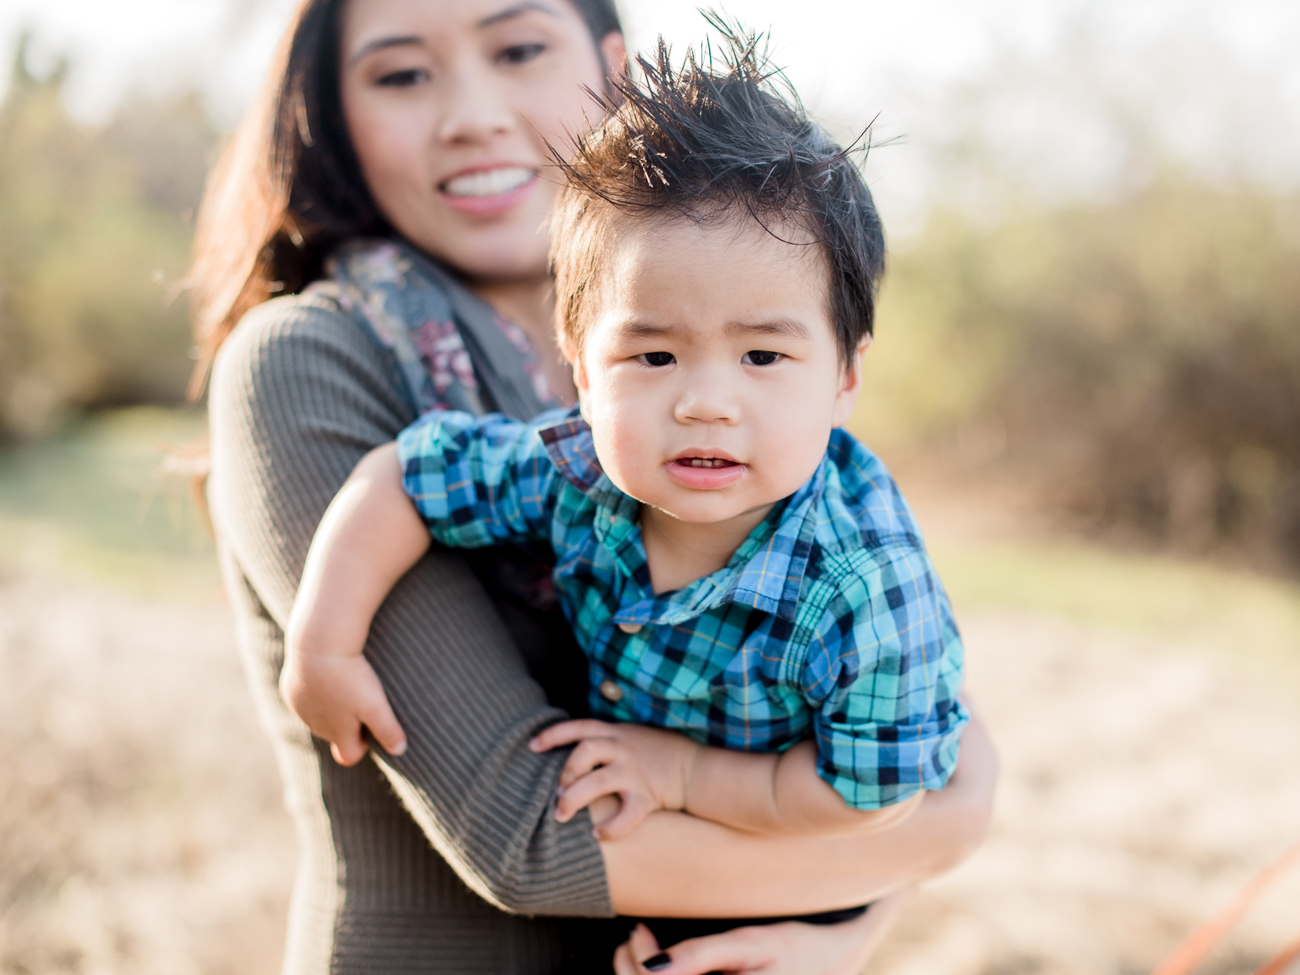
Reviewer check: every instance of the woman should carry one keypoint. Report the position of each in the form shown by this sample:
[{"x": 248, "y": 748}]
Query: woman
[{"x": 406, "y": 141}]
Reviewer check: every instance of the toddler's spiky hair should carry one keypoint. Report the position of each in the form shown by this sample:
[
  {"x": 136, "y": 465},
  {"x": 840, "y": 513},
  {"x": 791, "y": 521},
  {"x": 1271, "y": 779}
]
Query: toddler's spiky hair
[{"x": 697, "y": 142}]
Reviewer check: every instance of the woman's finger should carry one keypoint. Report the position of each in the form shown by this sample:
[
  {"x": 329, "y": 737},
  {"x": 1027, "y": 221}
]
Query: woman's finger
[
  {"x": 789, "y": 948},
  {"x": 640, "y": 945},
  {"x": 567, "y": 733},
  {"x": 740, "y": 950}
]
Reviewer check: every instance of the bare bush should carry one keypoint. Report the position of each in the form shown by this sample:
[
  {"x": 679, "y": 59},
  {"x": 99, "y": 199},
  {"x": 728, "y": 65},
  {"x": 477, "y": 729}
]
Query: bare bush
[
  {"x": 140, "y": 821},
  {"x": 1138, "y": 359}
]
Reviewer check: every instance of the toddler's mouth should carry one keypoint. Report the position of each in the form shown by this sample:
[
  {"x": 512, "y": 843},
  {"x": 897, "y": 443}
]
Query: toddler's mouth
[
  {"x": 705, "y": 472},
  {"x": 706, "y": 461}
]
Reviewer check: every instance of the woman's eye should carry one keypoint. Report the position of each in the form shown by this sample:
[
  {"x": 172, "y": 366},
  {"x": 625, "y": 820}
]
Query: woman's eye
[
  {"x": 656, "y": 359},
  {"x": 520, "y": 53},
  {"x": 760, "y": 357},
  {"x": 403, "y": 79}
]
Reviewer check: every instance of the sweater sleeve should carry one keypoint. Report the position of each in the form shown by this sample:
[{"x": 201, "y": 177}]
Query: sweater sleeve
[{"x": 299, "y": 394}]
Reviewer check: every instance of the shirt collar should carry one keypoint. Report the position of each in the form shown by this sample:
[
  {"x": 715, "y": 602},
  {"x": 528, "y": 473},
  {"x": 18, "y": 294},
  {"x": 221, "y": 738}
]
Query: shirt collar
[
  {"x": 767, "y": 570},
  {"x": 569, "y": 444}
]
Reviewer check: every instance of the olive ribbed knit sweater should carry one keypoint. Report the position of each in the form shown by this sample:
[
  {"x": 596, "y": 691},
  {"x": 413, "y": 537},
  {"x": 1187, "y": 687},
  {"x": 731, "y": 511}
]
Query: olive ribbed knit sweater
[{"x": 425, "y": 863}]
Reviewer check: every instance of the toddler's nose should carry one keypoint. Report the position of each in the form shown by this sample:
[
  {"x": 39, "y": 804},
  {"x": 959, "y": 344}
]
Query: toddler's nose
[{"x": 707, "y": 404}]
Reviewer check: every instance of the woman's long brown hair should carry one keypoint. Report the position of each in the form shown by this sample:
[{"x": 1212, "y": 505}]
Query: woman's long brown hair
[{"x": 287, "y": 188}]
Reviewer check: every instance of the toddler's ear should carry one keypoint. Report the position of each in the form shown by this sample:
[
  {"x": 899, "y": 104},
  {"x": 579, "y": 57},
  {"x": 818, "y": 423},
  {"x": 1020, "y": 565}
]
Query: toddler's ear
[
  {"x": 850, "y": 385},
  {"x": 581, "y": 381},
  {"x": 574, "y": 359}
]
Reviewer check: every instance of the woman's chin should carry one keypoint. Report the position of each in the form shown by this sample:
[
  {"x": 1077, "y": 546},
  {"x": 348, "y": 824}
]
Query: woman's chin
[{"x": 489, "y": 256}]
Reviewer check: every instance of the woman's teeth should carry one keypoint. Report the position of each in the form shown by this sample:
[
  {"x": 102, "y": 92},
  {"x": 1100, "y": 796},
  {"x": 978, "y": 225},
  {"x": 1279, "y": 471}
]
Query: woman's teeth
[
  {"x": 707, "y": 462},
  {"x": 488, "y": 182}
]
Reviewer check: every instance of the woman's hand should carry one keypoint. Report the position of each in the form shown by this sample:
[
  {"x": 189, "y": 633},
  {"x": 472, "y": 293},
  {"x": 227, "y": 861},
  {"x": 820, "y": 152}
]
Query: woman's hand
[{"x": 791, "y": 948}]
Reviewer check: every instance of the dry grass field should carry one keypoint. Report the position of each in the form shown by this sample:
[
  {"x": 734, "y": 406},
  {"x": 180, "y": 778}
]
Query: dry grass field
[{"x": 1147, "y": 712}]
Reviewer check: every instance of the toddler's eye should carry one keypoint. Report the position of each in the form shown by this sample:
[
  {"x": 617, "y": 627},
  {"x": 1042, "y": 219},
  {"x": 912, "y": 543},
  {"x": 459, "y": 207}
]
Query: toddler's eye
[
  {"x": 520, "y": 53},
  {"x": 404, "y": 79},
  {"x": 760, "y": 357},
  {"x": 656, "y": 359}
]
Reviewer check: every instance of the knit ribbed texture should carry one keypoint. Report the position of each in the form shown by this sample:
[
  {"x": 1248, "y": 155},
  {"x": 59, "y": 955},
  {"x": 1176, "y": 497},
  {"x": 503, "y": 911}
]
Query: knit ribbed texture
[{"x": 410, "y": 867}]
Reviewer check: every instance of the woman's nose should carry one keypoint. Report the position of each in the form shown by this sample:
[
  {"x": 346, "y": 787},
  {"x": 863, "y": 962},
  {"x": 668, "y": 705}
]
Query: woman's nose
[{"x": 476, "y": 109}]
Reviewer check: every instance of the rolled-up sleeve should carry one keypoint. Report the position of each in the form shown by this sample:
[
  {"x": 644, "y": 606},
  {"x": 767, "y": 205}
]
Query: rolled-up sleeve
[
  {"x": 883, "y": 675},
  {"x": 479, "y": 481}
]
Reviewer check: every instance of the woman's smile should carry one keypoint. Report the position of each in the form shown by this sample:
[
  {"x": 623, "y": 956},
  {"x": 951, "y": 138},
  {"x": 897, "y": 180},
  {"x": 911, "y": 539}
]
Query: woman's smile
[{"x": 488, "y": 190}]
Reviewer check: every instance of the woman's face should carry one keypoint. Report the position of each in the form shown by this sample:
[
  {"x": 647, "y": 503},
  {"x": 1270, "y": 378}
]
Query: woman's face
[{"x": 450, "y": 105}]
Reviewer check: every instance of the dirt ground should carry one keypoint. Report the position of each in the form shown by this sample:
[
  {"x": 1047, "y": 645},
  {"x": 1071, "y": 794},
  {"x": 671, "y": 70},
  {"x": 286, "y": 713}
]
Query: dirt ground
[{"x": 141, "y": 831}]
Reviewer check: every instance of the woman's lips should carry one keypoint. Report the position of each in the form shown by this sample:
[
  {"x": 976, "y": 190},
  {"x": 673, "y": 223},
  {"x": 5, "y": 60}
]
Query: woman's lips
[
  {"x": 705, "y": 473},
  {"x": 484, "y": 192}
]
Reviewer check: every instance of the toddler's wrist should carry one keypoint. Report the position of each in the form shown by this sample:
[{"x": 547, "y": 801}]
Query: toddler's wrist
[{"x": 697, "y": 775}]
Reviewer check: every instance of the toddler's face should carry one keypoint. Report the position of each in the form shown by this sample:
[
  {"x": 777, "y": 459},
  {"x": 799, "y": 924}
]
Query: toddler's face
[{"x": 710, "y": 374}]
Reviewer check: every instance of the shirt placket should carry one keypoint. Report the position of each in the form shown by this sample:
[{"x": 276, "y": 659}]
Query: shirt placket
[{"x": 623, "y": 639}]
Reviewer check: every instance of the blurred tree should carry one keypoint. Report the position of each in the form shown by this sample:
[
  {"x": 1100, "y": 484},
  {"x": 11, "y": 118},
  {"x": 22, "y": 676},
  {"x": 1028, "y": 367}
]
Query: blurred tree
[
  {"x": 1139, "y": 358},
  {"x": 94, "y": 224}
]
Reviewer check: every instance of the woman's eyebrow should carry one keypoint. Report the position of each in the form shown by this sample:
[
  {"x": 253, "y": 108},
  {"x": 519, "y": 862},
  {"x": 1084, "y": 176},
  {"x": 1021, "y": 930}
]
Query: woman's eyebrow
[
  {"x": 516, "y": 10},
  {"x": 509, "y": 13},
  {"x": 381, "y": 43}
]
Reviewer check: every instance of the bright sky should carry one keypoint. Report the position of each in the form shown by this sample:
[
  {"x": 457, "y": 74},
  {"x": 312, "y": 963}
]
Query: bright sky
[{"x": 1064, "y": 88}]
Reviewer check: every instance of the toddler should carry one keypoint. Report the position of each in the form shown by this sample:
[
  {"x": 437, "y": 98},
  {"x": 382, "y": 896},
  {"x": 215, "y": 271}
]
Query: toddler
[{"x": 769, "y": 645}]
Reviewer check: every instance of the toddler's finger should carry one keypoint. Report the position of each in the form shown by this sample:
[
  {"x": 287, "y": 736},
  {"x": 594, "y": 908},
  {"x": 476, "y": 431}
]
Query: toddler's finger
[
  {"x": 566, "y": 733},
  {"x": 348, "y": 749},
  {"x": 383, "y": 725},
  {"x": 604, "y": 781},
  {"x": 588, "y": 756},
  {"x": 632, "y": 813}
]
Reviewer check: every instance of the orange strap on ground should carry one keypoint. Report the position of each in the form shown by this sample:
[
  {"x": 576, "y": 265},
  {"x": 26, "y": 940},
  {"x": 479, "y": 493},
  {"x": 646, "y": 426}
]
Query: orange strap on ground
[
  {"x": 1199, "y": 942},
  {"x": 1280, "y": 962}
]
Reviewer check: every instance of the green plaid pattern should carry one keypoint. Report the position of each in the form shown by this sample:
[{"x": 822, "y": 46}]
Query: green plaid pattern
[{"x": 829, "y": 622}]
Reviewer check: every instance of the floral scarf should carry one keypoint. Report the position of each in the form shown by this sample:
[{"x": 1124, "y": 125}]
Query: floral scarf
[{"x": 454, "y": 351}]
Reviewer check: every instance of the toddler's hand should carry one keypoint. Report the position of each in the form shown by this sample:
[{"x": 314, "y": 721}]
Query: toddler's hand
[
  {"x": 647, "y": 768},
  {"x": 335, "y": 696}
]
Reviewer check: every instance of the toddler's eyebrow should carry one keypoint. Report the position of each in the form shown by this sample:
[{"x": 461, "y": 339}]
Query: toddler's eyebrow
[{"x": 771, "y": 326}]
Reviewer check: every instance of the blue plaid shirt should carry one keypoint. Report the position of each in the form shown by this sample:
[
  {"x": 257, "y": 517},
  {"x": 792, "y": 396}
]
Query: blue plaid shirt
[{"x": 828, "y": 622}]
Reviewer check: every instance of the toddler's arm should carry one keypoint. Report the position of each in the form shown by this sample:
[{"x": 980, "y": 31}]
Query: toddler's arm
[
  {"x": 368, "y": 539},
  {"x": 470, "y": 481},
  {"x": 649, "y": 768},
  {"x": 780, "y": 793}
]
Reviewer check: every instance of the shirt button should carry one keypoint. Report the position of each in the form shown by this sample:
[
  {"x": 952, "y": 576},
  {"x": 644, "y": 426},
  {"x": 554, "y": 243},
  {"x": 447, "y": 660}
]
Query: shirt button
[
  {"x": 610, "y": 691},
  {"x": 630, "y": 627}
]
